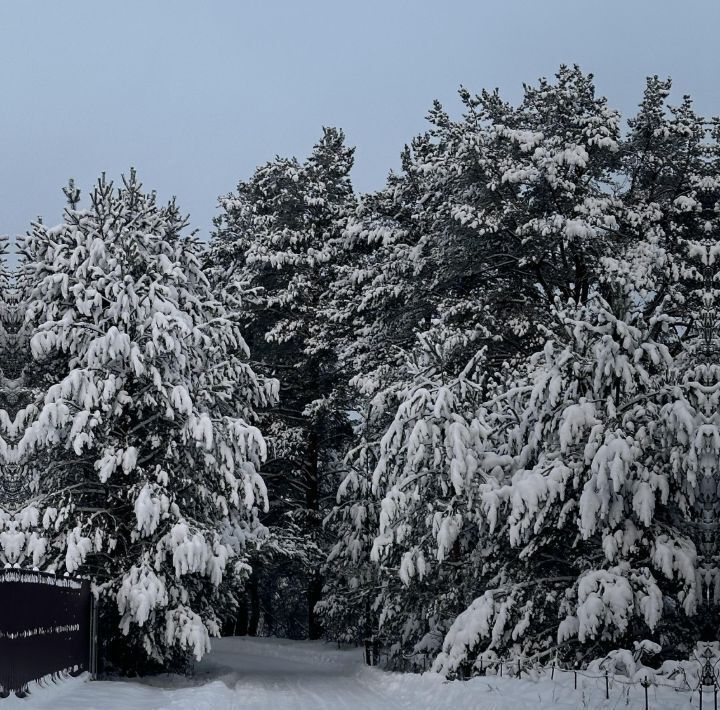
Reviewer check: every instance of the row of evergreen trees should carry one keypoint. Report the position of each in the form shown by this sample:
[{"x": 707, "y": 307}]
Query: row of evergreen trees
[{"x": 473, "y": 413}]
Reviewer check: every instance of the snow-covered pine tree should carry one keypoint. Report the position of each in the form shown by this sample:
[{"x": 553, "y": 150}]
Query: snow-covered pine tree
[
  {"x": 609, "y": 500},
  {"x": 141, "y": 434},
  {"x": 350, "y": 590},
  {"x": 275, "y": 243},
  {"x": 492, "y": 219},
  {"x": 582, "y": 195},
  {"x": 426, "y": 477}
]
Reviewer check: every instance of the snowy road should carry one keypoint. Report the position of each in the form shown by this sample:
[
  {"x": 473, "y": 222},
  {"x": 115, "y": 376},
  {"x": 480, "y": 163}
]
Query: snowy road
[{"x": 269, "y": 674}]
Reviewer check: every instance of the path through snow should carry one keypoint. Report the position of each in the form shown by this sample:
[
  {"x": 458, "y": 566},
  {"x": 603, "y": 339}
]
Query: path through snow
[{"x": 271, "y": 674}]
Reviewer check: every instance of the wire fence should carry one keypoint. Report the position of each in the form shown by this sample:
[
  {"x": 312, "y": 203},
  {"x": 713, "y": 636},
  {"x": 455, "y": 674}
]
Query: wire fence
[{"x": 700, "y": 677}]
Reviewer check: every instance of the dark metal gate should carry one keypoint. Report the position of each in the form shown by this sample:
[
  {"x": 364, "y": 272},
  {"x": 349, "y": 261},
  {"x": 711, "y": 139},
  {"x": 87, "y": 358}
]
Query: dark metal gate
[{"x": 47, "y": 625}]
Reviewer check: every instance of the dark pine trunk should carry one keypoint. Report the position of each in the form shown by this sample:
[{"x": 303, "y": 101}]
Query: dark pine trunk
[
  {"x": 312, "y": 501},
  {"x": 254, "y": 620},
  {"x": 241, "y": 623},
  {"x": 315, "y": 630}
]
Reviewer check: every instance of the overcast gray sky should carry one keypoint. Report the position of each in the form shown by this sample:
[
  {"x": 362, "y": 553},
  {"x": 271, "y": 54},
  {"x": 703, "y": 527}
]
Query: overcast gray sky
[{"x": 196, "y": 94}]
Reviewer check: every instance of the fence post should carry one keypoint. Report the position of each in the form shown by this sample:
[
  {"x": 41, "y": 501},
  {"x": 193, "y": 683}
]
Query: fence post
[
  {"x": 646, "y": 684},
  {"x": 552, "y": 672},
  {"x": 607, "y": 686},
  {"x": 575, "y": 674}
]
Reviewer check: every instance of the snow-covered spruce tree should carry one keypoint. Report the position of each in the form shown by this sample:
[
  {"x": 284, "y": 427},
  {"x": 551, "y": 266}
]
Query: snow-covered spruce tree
[
  {"x": 142, "y": 438},
  {"x": 275, "y": 246}
]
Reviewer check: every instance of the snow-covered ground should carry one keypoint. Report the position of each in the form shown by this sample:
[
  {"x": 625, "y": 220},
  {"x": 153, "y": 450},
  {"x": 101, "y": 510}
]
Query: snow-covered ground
[{"x": 271, "y": 674}]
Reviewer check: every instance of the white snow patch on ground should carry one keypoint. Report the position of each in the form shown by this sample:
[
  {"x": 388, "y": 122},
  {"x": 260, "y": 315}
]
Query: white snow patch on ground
[{"x": 272, "y": 674}]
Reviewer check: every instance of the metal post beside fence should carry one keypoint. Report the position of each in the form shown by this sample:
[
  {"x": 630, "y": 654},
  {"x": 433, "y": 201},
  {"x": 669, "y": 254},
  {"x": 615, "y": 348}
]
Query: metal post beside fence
[{"x": 646, "y": 684}]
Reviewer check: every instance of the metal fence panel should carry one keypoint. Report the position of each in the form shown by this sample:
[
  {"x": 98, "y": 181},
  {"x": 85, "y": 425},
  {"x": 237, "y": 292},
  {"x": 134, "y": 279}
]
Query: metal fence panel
[{"x": 45, "y": 626}]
